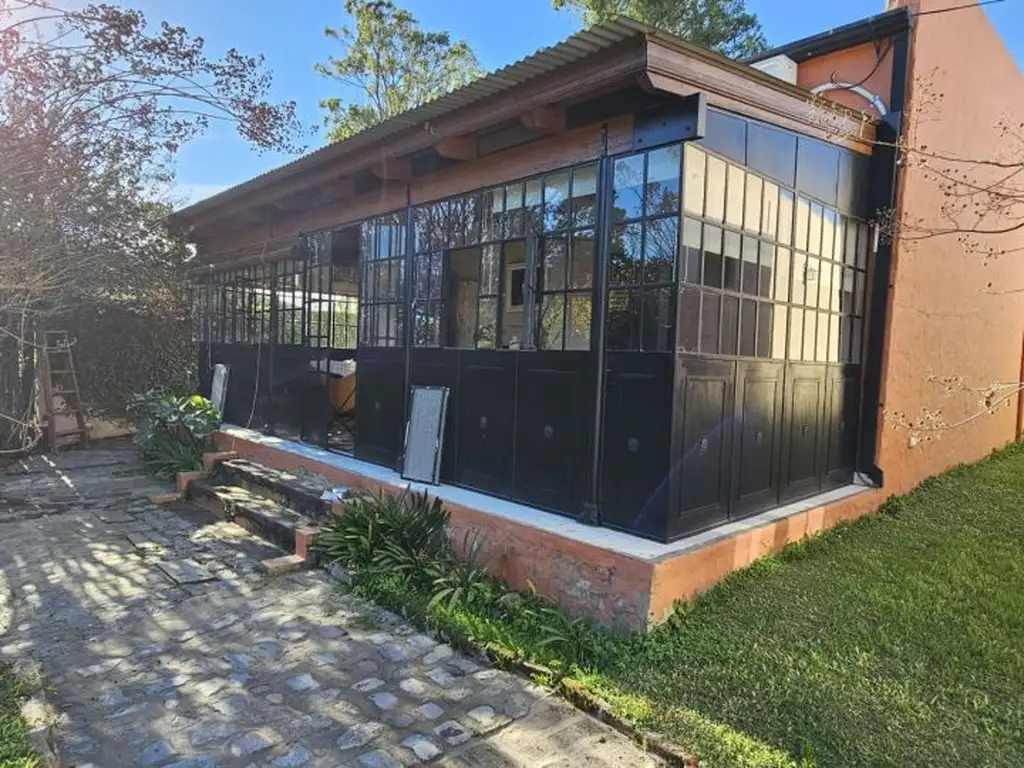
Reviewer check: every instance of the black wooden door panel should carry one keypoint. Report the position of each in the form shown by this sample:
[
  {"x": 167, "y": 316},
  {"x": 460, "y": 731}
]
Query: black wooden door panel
[
  {"x": 486, "y": 418},
  {"x": 637, "y": 438},
  {"x": 554, "y": 402},
  {"x": 802, "y": 454},
  {"x": 703, "y": 437},
  {"x": 840, "y": 426},
  {"x": 380, "y": 405},
  {"x": 440, "y": 368},
  {"x": 757, "y": 437}
]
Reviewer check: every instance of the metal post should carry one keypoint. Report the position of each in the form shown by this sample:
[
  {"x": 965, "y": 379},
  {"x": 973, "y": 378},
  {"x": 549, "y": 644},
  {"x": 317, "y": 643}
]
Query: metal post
[{"x": 592, "y": 506}]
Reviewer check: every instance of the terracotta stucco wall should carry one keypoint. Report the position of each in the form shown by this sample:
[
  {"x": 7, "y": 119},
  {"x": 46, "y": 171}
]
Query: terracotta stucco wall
[
  {"x": 868, "y": 65},
  {"x": 945, "y": 319}
]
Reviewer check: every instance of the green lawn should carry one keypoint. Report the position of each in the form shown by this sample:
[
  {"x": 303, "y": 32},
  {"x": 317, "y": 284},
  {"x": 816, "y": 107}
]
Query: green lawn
[
  {"x": 897, "y": 640},
  {"x": 15, "y": 749}
]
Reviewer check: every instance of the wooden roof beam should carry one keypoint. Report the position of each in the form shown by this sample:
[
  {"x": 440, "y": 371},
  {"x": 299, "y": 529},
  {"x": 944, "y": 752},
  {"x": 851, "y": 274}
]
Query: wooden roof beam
[
  {"x": 546, "y": 119},
  {"x": 457, "y": 148}
]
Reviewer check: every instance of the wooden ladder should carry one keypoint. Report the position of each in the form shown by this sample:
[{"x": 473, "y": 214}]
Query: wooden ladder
[{"x": 59, "y": 380}]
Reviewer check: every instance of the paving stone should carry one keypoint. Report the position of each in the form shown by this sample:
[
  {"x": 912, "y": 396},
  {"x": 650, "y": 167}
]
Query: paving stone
[
  {"x": 152, "y": 649},
  {"x": 384, "y": 700},
  {"x": 292, "y": 634},
  {"x": 239, "y": 660},
  {"x": 414, "y": 687},
  {"x": 453, "y": 733},
  {"x": 484, "y": 718},
  {"x": 155, "y": 753},
  {"x": 325, "y": 659},
  {"x": 255, "y": 741},
  {"x": 303, "y": 682},
  {"x": 238, "y": 678},
  {"x": 368, "y": 667},
  {"x": 297, "y": 755},
  {"x": 268, "y": 651},
  {"x": 422, "y": 747},
  {"x": 467, "y": 666},
  {"x": 401, "y": 720},
  {"x": 111, "y": 697},
  {"x": 210, "y": 733},
  {"x": 359, "y": 735},
  {"x": 185, "y": 571},
  {"x": 330, "y": 632},
  {"x": 232, "y": 706},
  {"x": 211, "y": 687},
  {"x": 457, "y": 694},
  {"x": 377, "y": 759},
  {"x": 369, "y": 684},
  {"x": 441, "y": 676},
  {"x": 393, "y": 652},
  {"x": 275, "y": 698},
  {"x": 441, "y": 653},
  {"x": 430, "y": 711},
  {"x": 193, "y": 762}
]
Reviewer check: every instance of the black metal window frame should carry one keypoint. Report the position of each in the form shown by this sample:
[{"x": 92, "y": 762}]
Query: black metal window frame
[
  {"x": 643, "y": 249},
  {"x": 233, "y": 306},
  {"x": 382, "y": 261},
  {"x": 332, "y": 319},
  {"x": 290, "y": 301},
  {"x": 753, "y": 251},
  {"x": 527, "y": 209}
]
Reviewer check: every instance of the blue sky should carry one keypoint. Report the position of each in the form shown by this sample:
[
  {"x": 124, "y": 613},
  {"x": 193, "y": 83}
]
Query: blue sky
[{"x": 290, "y": 35}]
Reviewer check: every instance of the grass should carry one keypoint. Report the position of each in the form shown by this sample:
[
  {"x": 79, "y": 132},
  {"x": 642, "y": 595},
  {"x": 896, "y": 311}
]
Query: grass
[
  {"x": 15, "y": 748},
  {"x": 897, "y": 640}
]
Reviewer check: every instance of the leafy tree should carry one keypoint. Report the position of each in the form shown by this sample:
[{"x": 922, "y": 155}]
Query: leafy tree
[
  {"x": 393, "y": 63},
  {"x": 721, "y": 25},
  {"x": 94, "y": 104}
]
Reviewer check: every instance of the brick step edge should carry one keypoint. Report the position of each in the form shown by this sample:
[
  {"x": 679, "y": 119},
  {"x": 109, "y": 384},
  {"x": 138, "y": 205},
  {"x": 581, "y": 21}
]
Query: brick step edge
[
  {"x": 279, "y": 532},
  {"x": 239, "y": 474}
]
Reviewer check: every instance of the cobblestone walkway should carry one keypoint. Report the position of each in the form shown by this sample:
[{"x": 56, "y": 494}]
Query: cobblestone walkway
[{"x": 164, "y": 646}]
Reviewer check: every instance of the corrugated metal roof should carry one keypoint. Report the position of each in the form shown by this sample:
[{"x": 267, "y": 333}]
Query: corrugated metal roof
[{"x": 570, "y": 50}]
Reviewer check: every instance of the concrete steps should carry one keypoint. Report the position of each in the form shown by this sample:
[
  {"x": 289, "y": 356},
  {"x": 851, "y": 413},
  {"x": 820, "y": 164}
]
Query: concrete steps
[
  {"x": 300, "y": 492},
  {"x": 256, "y": 513}
]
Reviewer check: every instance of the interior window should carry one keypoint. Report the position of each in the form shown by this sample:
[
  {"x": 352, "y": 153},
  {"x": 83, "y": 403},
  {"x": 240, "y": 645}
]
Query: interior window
[
  {"x": 513, "y": 301},
  {"x": 464, "y": 289}
]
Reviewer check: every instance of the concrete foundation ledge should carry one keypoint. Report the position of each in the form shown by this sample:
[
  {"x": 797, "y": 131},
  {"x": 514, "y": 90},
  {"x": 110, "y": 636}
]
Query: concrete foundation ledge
[{"x": 619, "y": 581}]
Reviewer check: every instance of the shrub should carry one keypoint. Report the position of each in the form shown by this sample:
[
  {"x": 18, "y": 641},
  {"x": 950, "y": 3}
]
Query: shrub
[{"x": 173, "y": 432}]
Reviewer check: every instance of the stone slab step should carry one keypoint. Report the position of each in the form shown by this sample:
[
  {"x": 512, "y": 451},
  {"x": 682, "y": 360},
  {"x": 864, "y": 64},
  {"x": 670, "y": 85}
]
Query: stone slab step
[
  {"x": 297, "y": 491},
  {"x": 259, "y": 514}
]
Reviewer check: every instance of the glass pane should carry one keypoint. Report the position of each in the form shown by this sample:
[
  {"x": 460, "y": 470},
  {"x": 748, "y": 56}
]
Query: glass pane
[
  {"x": 855, "y": 340},
  {"x": 691, "y": 251},
  {"x": 577, "y": 323},
  {"x": 748, "y": 327},
  {"x": 490, "y": 265},
  {"x": 828, "y": 235},
  {"x": 625, "y": 254},
  {"x": 796, "y": 337},
  {"x": 710, "y": 311},
  {"x": 810, "y": 334},
  {"x": 731, "y": 250},
  {"x": 752, "y": 214},
  {"x": 713, "y": 262},
  {"x": 833, "y": 338},
  {"x": 835, "y": 286},
  {"x": 845, "y": 329},
  {"x": 694, "y": 164},
  {"x": 812, "y": 282},
  {"x": 534, "y": 205},
  {"x": 785, "y": 216},
  {"x": 487, "y": 323},
  {"x": 846, "y": 293},
  {"x": 436, "y": 275},
  {"x": 850, "y": 251},
  {"x": 821, "y": 348},
  {"x": 766, "y": 270},
  {"x": 688, "y": 320},
  {"x": 584, "y": 196},
  {"x": 581, "y": 263},
  {"x": 512, "y": 219},
  {"x": 734, "y": 198},
  {"x": 513, "y": 300},
  {"x": 554, "y": 261},
  {"x": 657, "y": 320},
  {"x": 556, "y": 201},
  {"x": 622, "y": 320},
  {"x": 421, "y": 270},
  {"x": 858, "y": 294},
  {"x": 748, "y": 267},
  {"x": 662, "y": 193},
  {"x": 780, "y": 288},
  {"x": 799, "y": 292},
  {"x": 492, "y": 204},
  {"x": 771, "y": 343},
  {"x": 464, "y": 287},
  {"x": 431, "y": 224},
  {"x": 770, "y": 211},
  {"x": 627, "y": 198},
  {"x": 814, "y": 230},
  {"x": 716, "y": 189},
  {"x": 863, "y": 245},
  {"x": 803, "y": 216},
  {"x": 660, "y": 243},
  {"x": 552, "y": 314},
  {"x": 730, "y": 324}
]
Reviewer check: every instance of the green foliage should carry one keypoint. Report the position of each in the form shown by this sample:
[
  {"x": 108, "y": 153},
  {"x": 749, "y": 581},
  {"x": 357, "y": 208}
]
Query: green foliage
[
  {"x": 122, "y": 348},
  {"x": 15, "y": 747},
  {"x": 394, "y": 64},
  {"x": 892, "y": 640},
  {"x": 721, "y": 25},
  {"x": 173, "y": 432}
]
